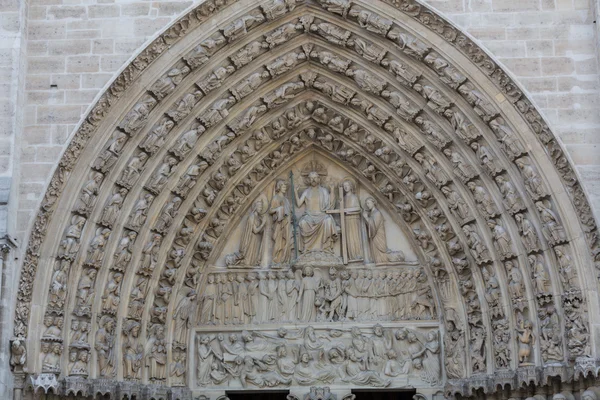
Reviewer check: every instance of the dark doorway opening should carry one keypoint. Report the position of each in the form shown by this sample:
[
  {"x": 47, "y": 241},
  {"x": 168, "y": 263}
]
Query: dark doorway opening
[
  {"x": 253, "y": 395},
  {"x": 384, "y": 394}
]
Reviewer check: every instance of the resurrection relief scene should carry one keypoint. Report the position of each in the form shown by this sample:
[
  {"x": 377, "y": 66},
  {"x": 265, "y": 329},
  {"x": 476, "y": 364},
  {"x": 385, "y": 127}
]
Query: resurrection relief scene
[{"x": 314, "y": 196}]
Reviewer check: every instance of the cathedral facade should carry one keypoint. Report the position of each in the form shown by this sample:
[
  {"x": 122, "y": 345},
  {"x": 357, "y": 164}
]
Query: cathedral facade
[{"x": 307, "y": 198}]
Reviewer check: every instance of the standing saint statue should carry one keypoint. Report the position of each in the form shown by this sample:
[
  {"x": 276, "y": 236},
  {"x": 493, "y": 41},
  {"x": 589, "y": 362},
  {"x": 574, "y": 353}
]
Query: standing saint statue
[
  {"x": 252, "y": 235},
  {"x": 280, "y": 211},
  {"x": 353, "y": 222},
  {"x": 317, "y": 227},
  {"x": 376, "y": 235}
]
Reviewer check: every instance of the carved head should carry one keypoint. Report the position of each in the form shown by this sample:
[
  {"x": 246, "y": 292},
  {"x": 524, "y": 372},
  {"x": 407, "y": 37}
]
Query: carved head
[
  {"x": 314, "y": 179},
  {"x": 348, "y": 186},
  {"x": 370, "y": 203}
]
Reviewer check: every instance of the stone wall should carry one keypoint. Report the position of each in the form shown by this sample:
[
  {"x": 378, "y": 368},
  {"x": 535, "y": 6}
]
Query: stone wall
[{"x": 57, "y": 55}]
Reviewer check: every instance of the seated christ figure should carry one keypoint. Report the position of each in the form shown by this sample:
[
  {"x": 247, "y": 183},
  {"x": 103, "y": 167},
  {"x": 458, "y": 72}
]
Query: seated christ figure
[{"x": 317, "y": 228}]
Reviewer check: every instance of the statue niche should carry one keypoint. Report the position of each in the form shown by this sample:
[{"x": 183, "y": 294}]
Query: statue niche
[{"x": 326, "y": 221}]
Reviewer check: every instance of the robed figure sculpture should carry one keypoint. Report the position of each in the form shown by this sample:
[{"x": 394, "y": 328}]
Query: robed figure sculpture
[{"x": 317, "y": 228}]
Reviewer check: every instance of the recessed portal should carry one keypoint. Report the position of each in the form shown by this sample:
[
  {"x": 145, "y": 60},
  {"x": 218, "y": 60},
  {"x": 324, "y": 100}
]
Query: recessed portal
[
  {"x": 374, "y": 394},
  {"x": 252, "y": 395}
]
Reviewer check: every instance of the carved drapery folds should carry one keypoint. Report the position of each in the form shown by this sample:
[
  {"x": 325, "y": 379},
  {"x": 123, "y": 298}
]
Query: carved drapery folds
[{"x": 499, "y": 249}]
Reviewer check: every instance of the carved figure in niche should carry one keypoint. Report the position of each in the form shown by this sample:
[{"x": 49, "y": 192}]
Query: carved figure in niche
[
  {"x": 132, "y": 171},
  {"x": 339, "y": 7},
  {"x": 51, "y": 361},
  {"x": 512, "y": 199},
  {"x": 533, "y": 181},
  {"x": 140, "y": 211},
  {"x": 58, "y": 287},
  {"x": 432, "y": 131},
  {"x": 85, "y": 291},
  {"x": 178, "y": 368},
  {"x": 507, "y": 137},
  {"x": 156, "y": 138},
  {"x": 487, "y": 158},
  {"x": 371, "y": 21},
  {"x": 462, "y": 168},
  {"x": 552, "y": 229},
  {"x": 167, "y": 83},
  {"x": 436, "y": 100},
  {"x": 484, "y": 200},
  {"x": 217, "y": 111},
  {"x": 502, "y": 240},
  {"x": 308, "y": 294},
  {"x": 331, "y": 33},
  {"x": 105, "y": 340},
  {"x": 277, "y": 8},
  {"x": 478, "y": 248},
  {"x": 367, "y": 50},
  {"x": 113, "y": 207},
  {"x": 184, "y": 105},
  {"x": 352, "y": 222},
  {"x": 133, "y": 350},
  {"x": 367, "y": 81},
  {"x": 109, "y": 156},
  {"x": 528, "y": 233},
  {"x": 406, "y": 140},
  {"x": 448, "y": 73},
  {"x": 167, "y": 215},
  {"x": 480, "y": 104},
  {"x": 525, "y": 340},
  {"x": 161, "y": 175},
  {"x": 568, "y": 274},
  {"x": 95, "y": 253},
  {"x": 433, "y": 171},
  {"x": 244, "y": 123},
  {"x": 209, "y": 301},
  {"x": 240, "y": 27},
  {"x": 403, "y": 105},
  {"x": 80, "y": 366},
  {"x": 54, "y": 327},
  {"x": 317, "y": 228},
  {"x": 248, "y": 53},
  {"x": 150, "y": 255},
  {"x": 285, "y": 63},
  {"x": 186, "y": 142},
  {"x": 516, "y": 287},
  {"x": 70, "y": 244},
  {"x": 331, "y": 61},
  {"x": 463, "y": 127},
  {"x": 190, "y": 178},
  {"x": 252, "y": 235},
  {"x": 541, "y": 280},
  {"x": 283, "y": 94},
  {"x": 408, "y": 43},
  {"x": 183, "y": 317},
  {"x": 157, "y": 353},
  {"x": 137, "y": 298},
  {"x": 376, "y": 234},
  {"x": 201, "y": 53},
  {"x": 214, "y": 79},
  {"x": 249, "y": 85},
  {"x": 492, "y": 290},
  {"x": 282, "y": 34},
  {"x": 88, "y": 193},
  {"x": 137, "y": 116},
  {"x": 111, "y": 298}
]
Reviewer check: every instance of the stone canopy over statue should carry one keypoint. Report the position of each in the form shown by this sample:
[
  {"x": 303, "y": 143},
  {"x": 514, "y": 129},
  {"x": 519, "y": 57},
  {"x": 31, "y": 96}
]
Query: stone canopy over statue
[{"x": 318, "y": 220}]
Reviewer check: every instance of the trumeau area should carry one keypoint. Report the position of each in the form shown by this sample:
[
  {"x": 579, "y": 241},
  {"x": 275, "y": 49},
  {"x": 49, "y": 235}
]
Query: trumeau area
[{"x": 314, "y": 196}]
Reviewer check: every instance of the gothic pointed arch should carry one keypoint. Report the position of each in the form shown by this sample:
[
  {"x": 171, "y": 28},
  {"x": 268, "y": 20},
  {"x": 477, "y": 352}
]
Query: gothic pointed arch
[{"x": 161, "y": 209}]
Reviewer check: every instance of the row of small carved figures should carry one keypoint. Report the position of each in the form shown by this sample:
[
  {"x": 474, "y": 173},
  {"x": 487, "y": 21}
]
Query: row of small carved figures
[{"x": 281, "y": 296}]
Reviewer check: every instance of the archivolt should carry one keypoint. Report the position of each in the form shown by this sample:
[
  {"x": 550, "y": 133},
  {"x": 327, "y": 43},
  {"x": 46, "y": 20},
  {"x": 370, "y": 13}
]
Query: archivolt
[{"x": 408, "y": 103}]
